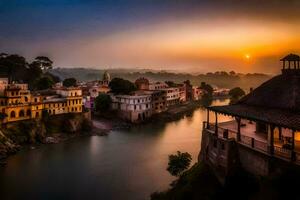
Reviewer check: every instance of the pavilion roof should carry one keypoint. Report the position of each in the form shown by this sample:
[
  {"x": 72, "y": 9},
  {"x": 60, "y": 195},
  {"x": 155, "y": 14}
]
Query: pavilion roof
[
  {"x": 291, "y": 57},
  {"x": 279, "y": 117}
]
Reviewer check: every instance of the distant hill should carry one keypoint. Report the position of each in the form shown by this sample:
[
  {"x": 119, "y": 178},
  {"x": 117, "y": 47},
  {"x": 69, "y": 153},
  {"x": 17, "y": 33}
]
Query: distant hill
[{"x": 219, "y": 79}]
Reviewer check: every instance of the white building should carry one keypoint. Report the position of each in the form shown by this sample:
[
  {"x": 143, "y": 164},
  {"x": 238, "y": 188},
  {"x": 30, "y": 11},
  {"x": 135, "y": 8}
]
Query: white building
[
  {"x": 134, "y": 108},
  {"x": 173, "y": 95}
]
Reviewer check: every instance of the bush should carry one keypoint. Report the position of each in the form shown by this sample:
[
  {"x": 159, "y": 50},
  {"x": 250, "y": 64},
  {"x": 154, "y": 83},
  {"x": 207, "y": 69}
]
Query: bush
[{"x": 178, "y": 163}]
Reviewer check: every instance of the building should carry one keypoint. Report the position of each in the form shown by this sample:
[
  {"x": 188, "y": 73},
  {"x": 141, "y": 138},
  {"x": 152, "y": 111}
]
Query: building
[
  {"x": 158, "y": 100},
  {"x": 105, "y": 79},
  {"x": 197, "y": 93},
  {"x": 157, "y": 86},
  {"x": 3, "y": 84},
  {"x": 188, "y": 90},
  {"x": 173, "y": 96},
  {"x": 134, "y": 108},
  {"x": 264, "y": 135},
  {"x": 182, "y": 93},
  {"x": 142, "y": 83},
  {"x": 18, "y": 103}
]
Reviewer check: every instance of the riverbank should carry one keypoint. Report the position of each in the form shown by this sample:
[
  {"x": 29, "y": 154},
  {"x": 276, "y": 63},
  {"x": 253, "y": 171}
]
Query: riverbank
[
  {"x": 199, "y": 182},
  {"x": 30, "y": 134},
  {"x": 106, "y": 122}
]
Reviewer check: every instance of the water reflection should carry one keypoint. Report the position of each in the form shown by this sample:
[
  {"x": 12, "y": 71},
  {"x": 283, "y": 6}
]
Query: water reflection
[{"x": 127, "y": 164}]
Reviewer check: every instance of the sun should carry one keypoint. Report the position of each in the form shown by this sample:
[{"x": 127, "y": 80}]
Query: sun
[{"x": 248, "y": 56}]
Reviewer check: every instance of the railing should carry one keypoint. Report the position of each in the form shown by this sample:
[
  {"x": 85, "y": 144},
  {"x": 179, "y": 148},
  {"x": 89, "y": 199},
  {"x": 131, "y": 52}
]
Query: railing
[
  {"x": 262, "y": 146},
  {"x": 246, "y": 140},
  {"x": 297, "y": 157},
  {"x": 282, "y": 152}
]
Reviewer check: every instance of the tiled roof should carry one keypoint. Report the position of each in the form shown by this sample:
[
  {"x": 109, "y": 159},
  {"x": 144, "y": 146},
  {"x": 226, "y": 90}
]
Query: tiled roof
[{"x": 280, "y": 117}]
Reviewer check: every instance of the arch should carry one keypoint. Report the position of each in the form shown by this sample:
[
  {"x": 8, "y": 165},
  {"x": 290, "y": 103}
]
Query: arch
[
  {"x": 28, "y": 112},
  {"x": 12, "y": 114},
  {"x": 21, "y": 113}
]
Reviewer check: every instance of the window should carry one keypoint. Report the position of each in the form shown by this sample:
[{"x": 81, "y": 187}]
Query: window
[
  {"x": 21, "y": 113},
  {"x": 26, "y": 99},
  {"x": 12, "y": 114},
  {"x": 35, "y": 100},
  {"x": 28, "y": 112}
]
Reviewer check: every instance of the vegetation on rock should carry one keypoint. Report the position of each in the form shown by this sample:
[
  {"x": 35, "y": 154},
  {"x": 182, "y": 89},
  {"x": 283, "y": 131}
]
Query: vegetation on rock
[
  {"x": 102, "y": 103},
  {"x": 178, "y": 163}
]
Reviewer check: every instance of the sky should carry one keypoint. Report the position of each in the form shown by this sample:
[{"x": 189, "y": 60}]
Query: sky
[{"x": 193, "y": 36}]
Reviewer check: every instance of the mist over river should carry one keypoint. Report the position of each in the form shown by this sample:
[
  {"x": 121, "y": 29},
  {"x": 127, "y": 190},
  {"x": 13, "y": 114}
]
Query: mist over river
[{"x": 126, "y": 164}]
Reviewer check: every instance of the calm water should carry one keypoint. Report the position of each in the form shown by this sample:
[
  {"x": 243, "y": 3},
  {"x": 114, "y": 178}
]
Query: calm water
[{"x": 124, "y": 165}]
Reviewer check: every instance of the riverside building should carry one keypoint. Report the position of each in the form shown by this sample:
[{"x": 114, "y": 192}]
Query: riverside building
[
  {"x": 135, "y": 107},
  {"x": 17, "y": 103},
  {"x": 264, "y": 135}
]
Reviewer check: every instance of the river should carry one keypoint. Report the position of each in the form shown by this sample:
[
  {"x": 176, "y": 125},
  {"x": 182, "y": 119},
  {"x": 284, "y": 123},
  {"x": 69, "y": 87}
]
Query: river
[{"x": 124, "y": 165}]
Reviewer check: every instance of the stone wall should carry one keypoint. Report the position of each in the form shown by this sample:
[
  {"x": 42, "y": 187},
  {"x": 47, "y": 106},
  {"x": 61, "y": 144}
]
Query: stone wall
[{"x": 224, "y": 156}]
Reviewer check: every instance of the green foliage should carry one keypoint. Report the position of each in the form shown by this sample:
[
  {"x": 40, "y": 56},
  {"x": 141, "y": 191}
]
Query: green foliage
[
  {"x": 178, "y": 163},
  {"x": 16, "y": 68},
  {"x": 69, "y": 82},
  {"x": 235, "y": 94},
  {"x": 102, "y": 103},
  {"x": 207, "y": 88},
  {"x": 171, "y": 83},
  {"x": 44, "y": 62},
  {"x": 121, "y": 86},
  {"x": 196, "y": 183},
  {"x": 44, "y": 83}
]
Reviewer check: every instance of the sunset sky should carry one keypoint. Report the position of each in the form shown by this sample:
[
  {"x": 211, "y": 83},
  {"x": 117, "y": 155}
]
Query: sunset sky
[{"x": 179, "y": 35}]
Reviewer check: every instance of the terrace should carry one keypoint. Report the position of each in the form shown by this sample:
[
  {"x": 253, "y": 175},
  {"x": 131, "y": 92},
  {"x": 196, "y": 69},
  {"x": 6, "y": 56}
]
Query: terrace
[{"x": 281, "y": 143}]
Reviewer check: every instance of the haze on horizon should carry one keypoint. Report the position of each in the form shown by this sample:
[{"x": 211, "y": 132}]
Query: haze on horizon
[{"x": 178, "y": 35}]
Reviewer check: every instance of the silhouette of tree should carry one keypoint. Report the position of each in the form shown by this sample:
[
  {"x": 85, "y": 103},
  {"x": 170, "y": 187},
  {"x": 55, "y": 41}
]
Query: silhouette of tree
[{"x": 178, "y": 163}]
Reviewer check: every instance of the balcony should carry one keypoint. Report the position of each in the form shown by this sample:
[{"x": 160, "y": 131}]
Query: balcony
[{"x": 250, "y": 138}]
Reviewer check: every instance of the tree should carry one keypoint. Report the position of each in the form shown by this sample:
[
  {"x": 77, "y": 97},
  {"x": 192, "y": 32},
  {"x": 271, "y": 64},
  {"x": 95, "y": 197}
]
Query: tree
[
  {"x": 69, "y": 82},
  {"x": 13, "y": 66},
  {"x": 235, "y": 94},
  {"x": 207, "y": 88},
  {"x": 44, "y": 83},
  {"x": 44, "y": 62},
  {"x": 121, "y": 86},
  {"x": 102, "y": 102},
  {"x": 171, "y": 83},
  {"x": 178, "y": 163}
]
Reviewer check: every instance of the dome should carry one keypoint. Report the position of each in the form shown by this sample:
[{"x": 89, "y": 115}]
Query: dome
[{"x": 106, "y": 76}]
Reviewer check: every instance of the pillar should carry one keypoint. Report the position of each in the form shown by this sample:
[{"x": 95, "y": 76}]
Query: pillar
[
  {"x": 280, "y": 133},
  {"x": 271, "y": 139},
  {"x": 238, "y": 136},
  {"x": 293, "y": 156},
  {"x": 207, "y": 120},
  {"x": 216, "y": 124},
  {"x": 289, "y": 64}
]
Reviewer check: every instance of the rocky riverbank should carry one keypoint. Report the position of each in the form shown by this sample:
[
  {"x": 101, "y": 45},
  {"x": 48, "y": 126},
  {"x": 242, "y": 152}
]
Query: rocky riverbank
[{"x": 32, "y": 133}]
